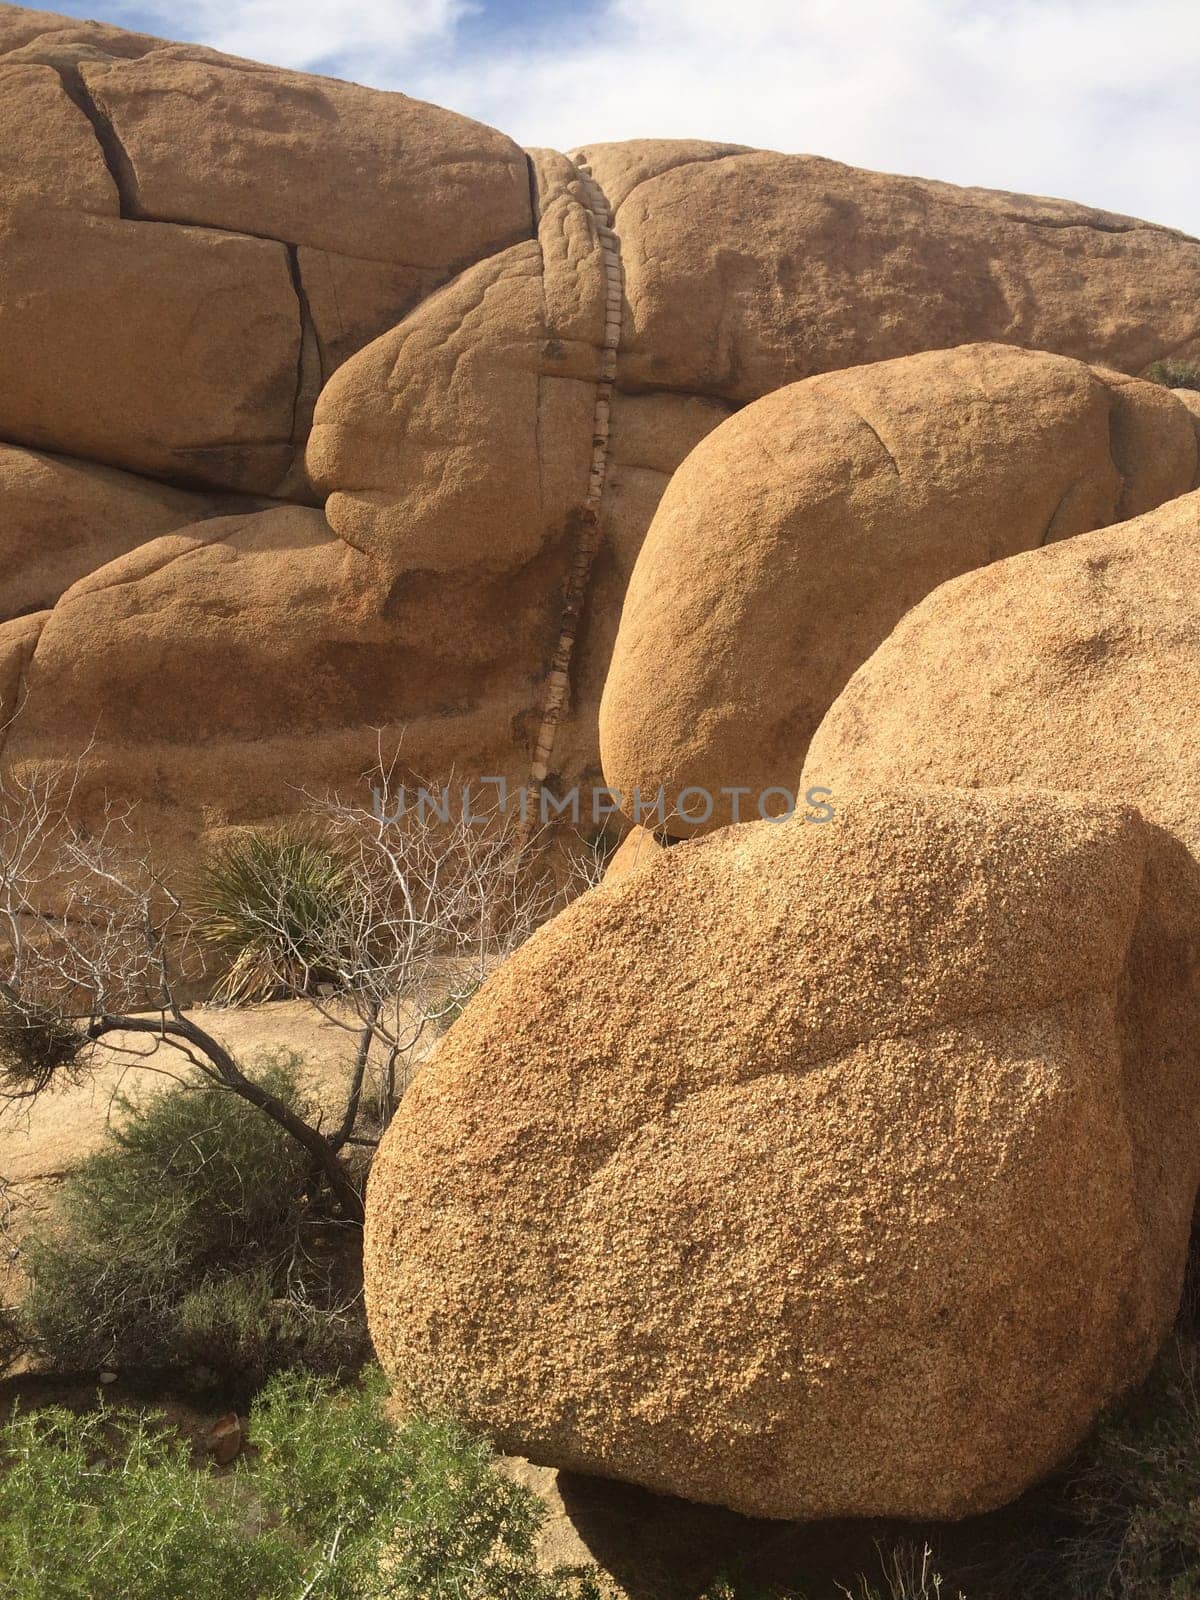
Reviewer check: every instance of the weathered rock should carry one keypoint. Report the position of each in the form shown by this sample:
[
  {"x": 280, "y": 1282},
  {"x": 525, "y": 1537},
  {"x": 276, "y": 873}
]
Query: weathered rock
[
  {"x": 166, "y": 350},
  {"x": 314, "y": 228},
  {"x": 457, "y": 452},
  {"x": 812, "y": 1170},
  {"x": 207, "y": 673},
  {"x": 829, "y": 266},
  {"x": 62, "y": 519},
  {"x": 463, "y": 438},
  {"x": 636, "y": 849},
  {"x": 49, "y": 156},
  {"x": 1074, "y": 667},
  {"x": 26, "y": 33},
  {"x": 797, "y": 535},
  {"x": 219, "y": 674},
  {"x": 118, "y": 333},
  {"x": 18, "y": 638},
  {"x": 364, "y": 173},
  {"x": 352, "y": 301},
  {"x": 225, "y": 1439},
  {"x": 1191, "y": 399}
]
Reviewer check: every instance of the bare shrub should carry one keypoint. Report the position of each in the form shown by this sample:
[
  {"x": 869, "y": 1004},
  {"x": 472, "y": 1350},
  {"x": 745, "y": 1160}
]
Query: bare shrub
[{"x": 385, "y": 917}]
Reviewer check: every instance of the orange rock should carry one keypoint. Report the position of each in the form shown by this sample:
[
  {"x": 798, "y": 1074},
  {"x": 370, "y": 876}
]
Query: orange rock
[
  {"x": 636, "y": 849},
  {"x": 796, "y": 536},
  {"x": 813, "y": 1171},
  {"x": 225, "y": 1439},
  {"x": 64, "y": 518},
  {"x": 1074, "y": 667},
  {"x": 830, "y": 266}
]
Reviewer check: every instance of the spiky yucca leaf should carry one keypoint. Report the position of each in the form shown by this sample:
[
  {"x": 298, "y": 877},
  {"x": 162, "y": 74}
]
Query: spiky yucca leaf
[{"x": 267, "y": 903}]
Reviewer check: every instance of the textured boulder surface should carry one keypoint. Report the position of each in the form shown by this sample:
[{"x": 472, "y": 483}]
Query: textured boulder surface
[
  {"x": 812, "y": 1170},
  {"x": 796, "y": 536},
  {"x": 637, "y": 848},
  {"x": 191, "y": 243},
  {"x": 241, "y": 657},
  {"x": 1074, "y": 667},
  {"x": 60, "y": 519},
  {"x": 507, "y": 353},
  {"x": 746, "y": 269}
]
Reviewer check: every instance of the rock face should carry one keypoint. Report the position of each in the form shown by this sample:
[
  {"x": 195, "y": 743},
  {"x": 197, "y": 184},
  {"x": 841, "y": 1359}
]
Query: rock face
[
  {"x": 63, "y": 519},
  {"x": 747, "y": 270},
  {"x": 167, "y": 211},
  {"x": 1074, "y": 667},
  {"x": 637, "y": 849},
  {"x": 507, "y": 353},
  {"x": 812, "y": 1170},
  {"x": 796, "y": 536},
  {"x": 226, "y": 659}
]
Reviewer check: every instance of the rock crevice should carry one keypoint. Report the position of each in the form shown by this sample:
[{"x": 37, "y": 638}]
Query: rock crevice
[
  {"x": 120, "y": 168},
  {"x": 557, "y": 689}
]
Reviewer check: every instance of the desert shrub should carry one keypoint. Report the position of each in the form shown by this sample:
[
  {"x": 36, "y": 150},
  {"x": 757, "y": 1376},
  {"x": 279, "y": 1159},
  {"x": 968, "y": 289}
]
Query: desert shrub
[
  {"x": 109, "y": 1494},
  {"x": 178, "y": 1245},
  {"x": 266, "y": 903},
  {"x": 14, "y": 1337},
  {"x": 333, "y": 1504},
  {"x": 1135, "y": 1492},
  {"x": 437, "y": 1521},
  {"x": 1175, "y": 374}
]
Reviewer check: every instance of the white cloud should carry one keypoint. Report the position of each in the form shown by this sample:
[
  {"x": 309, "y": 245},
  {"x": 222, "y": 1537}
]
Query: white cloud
[
  {"x": 376, "y": 39},
  {"x": 1095, "y": 100}
]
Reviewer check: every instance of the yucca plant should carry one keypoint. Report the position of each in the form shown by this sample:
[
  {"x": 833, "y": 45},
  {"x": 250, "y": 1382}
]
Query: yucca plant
[{"x": 268, "y": 903}]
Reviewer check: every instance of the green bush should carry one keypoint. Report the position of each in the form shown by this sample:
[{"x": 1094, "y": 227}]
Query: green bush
[
  {"x": 108, "y": 1505},
  {"x": 267, "y": 903},
  {"x": 179, "y": 1245},
  {"x": 14, "y": 1337},
  {"x": 333, "y": 1504},
  {"x": 1175, "y": 374}
]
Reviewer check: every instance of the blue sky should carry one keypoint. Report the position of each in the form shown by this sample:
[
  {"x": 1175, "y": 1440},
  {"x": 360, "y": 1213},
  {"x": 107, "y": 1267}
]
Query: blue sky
[{"x": 1097, "y": 100}]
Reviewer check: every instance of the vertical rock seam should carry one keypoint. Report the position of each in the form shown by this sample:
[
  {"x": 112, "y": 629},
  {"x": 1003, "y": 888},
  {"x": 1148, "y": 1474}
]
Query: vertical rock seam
[{"x": 587, "y": 531}]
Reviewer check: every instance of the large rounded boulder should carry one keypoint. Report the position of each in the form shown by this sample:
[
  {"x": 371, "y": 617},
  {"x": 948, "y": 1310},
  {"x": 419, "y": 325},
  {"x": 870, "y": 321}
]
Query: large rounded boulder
[
  {"x": 812, "y": 1170},
  {"x": 799, "y": 532},
  {"x": 1073, "y": 667}
]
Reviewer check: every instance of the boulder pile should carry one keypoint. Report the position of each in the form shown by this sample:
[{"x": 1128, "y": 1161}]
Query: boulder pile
[
  {"x": 798, "y": 534},
  {"x": 835, "y": 1166},
  {"x": 1073, "y": 667},
  {"x": 229, "y": 285}
]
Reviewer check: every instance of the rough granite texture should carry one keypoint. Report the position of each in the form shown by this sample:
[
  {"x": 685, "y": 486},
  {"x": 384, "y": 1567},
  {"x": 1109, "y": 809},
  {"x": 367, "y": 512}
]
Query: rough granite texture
[
  {"x": 812, "y": 1170},
  {"x": 1073, "y": 667},
  {"x": 507, "y": 356},
  {"x": 794, "y": 538}
]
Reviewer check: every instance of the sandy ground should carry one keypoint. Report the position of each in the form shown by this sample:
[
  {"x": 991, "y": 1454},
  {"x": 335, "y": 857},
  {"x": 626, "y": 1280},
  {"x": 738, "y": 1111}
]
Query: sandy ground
[{"x": 39, "y": 1143}]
